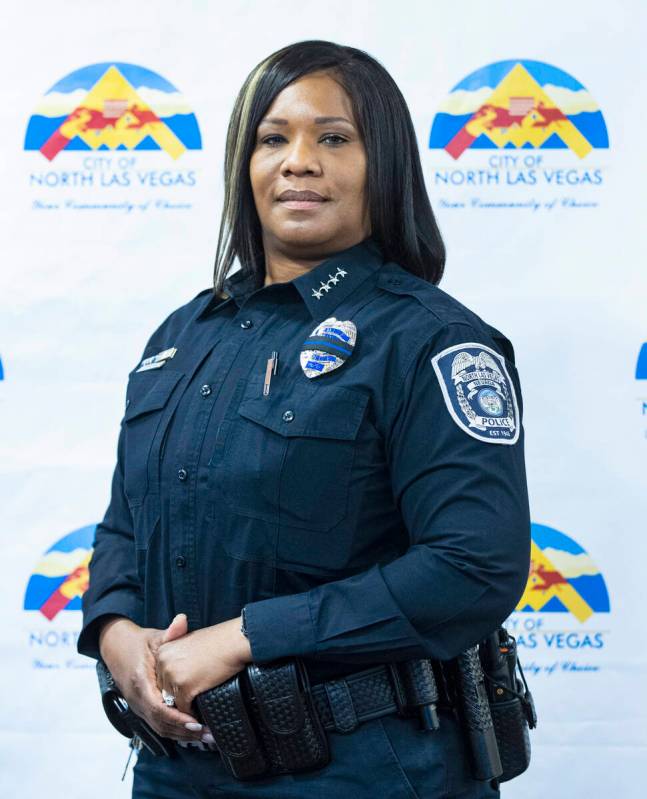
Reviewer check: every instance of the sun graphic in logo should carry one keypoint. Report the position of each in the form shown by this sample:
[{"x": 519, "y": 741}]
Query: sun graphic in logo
[
  {"x": 113, "y": 106},
  {"x": 61, "y": 576},
  {"x": 563, "y": 578},
  {"x": 519, "y": 104}
]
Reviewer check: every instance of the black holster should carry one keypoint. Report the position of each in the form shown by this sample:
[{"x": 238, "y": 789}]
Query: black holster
[
  {"x": 511, "y": 703},
  {"x": 122, "y": 718},
  {"x": 496, "y": 708}
]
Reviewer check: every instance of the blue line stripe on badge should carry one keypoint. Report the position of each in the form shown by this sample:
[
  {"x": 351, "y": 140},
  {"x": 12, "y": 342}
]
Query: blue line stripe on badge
[{"x": 328, "y": 344}]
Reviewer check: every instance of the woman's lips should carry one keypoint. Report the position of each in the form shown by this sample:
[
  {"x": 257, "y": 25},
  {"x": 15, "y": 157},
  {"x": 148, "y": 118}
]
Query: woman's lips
[
  {"x": 301, "y": 200},
  {"x": 302, "y": 205}
]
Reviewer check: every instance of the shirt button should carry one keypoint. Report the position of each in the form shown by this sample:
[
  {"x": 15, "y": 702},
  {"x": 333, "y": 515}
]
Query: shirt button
[
  {"x": 246, "y": 324},
  {"x": 288, "y": 416},
  {"x": 205, "y": 390},
  {"x": 182, "y": 474},
  {"x": 180, "y": 561}
]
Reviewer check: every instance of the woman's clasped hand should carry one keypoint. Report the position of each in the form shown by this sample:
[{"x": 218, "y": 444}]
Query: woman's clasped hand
[{"x": 145, "y": 661}]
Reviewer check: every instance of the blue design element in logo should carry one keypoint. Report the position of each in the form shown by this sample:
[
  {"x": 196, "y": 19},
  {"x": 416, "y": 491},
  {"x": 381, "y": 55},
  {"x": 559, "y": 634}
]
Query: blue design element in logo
[
  {"x": 1, "y": 370},
  {"x": 478, "y": 392},
  {"x": 641, "y": 366}
]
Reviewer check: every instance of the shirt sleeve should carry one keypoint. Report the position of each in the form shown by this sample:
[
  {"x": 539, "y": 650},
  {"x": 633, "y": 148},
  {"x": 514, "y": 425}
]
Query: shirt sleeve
[
  {"x": 114, "y": 587},
  {"x": 454, "y": 445}
]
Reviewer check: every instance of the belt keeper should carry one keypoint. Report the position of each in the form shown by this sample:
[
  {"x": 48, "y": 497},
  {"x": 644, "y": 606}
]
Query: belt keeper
[
  {"x": 341, "y": 705},
  {"x": 398, "y": 690}
]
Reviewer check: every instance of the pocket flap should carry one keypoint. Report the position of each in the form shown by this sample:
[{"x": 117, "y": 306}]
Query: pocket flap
[
  {"x": 317, "y": 411},
  {"x": 147, "y": 392}
]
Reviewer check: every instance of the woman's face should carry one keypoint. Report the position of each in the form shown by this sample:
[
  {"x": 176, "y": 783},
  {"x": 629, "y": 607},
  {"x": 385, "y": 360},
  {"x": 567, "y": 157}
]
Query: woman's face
[{"x": 308, "y": 171}]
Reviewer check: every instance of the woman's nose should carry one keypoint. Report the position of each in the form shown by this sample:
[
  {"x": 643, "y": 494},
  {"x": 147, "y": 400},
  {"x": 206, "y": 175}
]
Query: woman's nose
[{"x": 300, "y": 159}]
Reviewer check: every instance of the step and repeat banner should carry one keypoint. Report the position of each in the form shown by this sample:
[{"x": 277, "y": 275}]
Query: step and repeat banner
[{"x": 113, "y": 130}]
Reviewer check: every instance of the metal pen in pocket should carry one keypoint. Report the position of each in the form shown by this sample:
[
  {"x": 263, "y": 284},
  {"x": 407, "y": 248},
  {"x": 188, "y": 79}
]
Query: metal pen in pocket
[{"x": 270, "y": 369}]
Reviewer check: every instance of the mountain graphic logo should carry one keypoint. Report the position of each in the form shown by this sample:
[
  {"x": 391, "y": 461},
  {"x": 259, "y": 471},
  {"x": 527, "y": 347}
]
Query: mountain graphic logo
[
  {"x": 641, "y": 365},
  {"x": 61, "y": 576},
  {"x": 113, "y": 106},
  {"x": 519, "y": 104},
  {"x": 563, "y": 578}
]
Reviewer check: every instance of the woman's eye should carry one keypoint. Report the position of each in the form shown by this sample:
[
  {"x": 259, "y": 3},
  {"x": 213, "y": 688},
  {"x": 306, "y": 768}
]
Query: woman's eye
[
  {"x": 333, "y": 138},
  {"x": 273, "y": 140},
  {"x": 329, "y": 138}
]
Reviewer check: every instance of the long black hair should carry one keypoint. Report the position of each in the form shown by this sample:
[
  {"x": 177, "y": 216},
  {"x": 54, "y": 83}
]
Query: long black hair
[{"x": 402, "y": 222}]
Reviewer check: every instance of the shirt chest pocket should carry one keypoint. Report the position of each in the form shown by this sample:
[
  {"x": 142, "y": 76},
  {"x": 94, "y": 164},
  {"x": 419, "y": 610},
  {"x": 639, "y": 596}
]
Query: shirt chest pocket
[
  {"x": 146, "y": 420},
  {"x": 288, "y": 458}
]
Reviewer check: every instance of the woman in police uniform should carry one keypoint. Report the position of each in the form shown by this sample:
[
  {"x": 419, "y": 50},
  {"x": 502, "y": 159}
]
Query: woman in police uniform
[{"x": 325, "y": 440}]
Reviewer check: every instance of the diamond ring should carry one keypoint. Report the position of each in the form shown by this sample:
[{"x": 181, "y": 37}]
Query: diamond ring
[{"x": 169, "y": 699}]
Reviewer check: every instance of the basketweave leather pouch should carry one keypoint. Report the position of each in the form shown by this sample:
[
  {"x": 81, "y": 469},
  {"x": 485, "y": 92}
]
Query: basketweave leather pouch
[
  {"x": 264, "y": 722},
  {"x": 513, "y": 739}
]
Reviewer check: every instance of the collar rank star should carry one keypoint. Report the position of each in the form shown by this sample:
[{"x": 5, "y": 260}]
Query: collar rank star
[
  {"x": 329, "y": 345},
  {"x": 325, "y": 286},
  {"x": 157, "y": 361}
]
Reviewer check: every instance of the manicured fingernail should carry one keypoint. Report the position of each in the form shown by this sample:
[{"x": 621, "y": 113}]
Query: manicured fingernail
[
  {"x": 193, "y": 726},
  {"x": 207, "y": 738}
]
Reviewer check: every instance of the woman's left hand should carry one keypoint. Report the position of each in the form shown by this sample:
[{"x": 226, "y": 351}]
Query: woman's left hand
[{"x": 201, "y": 660}]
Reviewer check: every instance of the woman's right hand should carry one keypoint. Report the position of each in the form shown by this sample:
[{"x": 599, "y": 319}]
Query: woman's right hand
[{"x": 129, "y": 651}]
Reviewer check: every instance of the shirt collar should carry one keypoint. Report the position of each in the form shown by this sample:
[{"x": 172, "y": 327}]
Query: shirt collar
[
  {"x": 322, "y": 288},
  {"x": 328, "y": 284}
]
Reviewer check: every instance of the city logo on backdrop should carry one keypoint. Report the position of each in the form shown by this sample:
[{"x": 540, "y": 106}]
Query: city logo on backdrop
[
  {"x": 641, "y": 374},
  {"x": 53, "y": 597},
  {"x": 641, "y": 364},
  {"x": 518, "y": 134},
  {"x": 112, "y": 137},
  {"x": 558, "y": 622}
]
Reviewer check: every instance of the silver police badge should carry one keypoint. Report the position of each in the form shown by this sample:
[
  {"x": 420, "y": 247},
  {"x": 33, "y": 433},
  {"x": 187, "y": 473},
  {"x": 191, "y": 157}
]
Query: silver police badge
[
  {"x": 329, "y": 345},
  {"x": 478, "y": 392}
]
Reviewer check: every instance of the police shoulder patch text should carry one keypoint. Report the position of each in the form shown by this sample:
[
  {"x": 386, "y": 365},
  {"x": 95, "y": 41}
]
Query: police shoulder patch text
[{"x": 478, "y": 392}]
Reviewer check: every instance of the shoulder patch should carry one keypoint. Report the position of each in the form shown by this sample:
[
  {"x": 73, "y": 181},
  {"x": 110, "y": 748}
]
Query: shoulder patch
[{"x": 478, "y": 392}]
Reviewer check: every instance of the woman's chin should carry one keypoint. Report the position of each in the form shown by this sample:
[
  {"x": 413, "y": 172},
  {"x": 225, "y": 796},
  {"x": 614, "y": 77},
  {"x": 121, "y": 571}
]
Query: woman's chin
[{"x": 304, "y": 236}]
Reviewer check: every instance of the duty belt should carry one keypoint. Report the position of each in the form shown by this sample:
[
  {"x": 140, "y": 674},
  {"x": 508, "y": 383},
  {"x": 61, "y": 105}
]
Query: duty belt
[{"x": 267, "y": 720}]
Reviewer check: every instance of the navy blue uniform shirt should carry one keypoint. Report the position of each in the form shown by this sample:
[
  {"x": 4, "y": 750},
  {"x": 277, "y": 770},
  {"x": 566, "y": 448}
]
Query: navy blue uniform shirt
[{"x": 375, "y": 512}]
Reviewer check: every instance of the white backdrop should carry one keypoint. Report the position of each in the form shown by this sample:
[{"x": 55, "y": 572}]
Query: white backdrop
[{"x": 99, "y": 245}]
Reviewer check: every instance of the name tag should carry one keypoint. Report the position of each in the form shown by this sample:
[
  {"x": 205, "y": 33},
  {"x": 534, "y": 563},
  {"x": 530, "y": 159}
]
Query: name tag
[{"x": 156, "y": 361}]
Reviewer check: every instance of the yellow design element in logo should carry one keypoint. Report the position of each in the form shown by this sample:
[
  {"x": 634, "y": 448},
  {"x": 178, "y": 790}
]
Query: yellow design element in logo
[
  {"x": 113, "y": 114},
  {"x": 545, "y": 581},
  {"x": 520, "y": 112}
]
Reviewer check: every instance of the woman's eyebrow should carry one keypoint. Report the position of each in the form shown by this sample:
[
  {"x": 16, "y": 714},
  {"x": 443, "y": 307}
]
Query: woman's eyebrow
[{"x": 318, "y": 120}]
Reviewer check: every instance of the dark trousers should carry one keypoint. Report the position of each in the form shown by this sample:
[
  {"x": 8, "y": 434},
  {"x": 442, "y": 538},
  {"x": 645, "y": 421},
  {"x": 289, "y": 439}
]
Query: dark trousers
[{"x": 388, "y": 758}]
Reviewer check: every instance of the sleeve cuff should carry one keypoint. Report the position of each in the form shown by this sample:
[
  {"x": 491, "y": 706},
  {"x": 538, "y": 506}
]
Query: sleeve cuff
[
  {"x": 116, "y": 604},
  {"x": 280, "y": 627}
]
